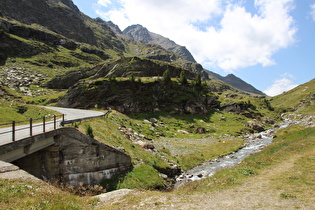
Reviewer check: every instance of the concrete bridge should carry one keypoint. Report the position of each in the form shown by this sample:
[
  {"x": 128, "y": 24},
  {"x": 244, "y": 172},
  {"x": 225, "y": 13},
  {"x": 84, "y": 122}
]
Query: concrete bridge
[{"x": 66, "y": 154}]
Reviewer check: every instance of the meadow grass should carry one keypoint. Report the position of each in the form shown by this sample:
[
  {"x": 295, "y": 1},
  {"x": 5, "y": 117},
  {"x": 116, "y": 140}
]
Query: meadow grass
[
  {"x": 17, "y": 111},
  {"x": 292, "y": 141},
  {"x": 17, "y": 194}
]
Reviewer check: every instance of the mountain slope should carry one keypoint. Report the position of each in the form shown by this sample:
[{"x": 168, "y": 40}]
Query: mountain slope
[
  {"x": 54, "y": 15},
  {"x": 53, "y": 36},
  {"x": 141, "y": 34},
  {"x": 234, "y": 81},
  {"x": 301, "y": 98}
]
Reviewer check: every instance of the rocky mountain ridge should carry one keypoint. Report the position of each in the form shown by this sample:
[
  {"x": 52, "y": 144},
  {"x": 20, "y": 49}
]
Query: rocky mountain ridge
[
  {"x": 33, "y": 27},
  {"x": 141, "y": 34}
]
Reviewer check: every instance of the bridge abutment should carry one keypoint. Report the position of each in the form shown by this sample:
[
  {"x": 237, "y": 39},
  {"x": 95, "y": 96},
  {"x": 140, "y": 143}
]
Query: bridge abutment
[{"x": 73, "y": 158}]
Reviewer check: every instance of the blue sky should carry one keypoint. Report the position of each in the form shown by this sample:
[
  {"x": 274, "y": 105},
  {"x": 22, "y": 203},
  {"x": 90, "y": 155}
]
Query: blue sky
[{"x": 267, "y": 43}]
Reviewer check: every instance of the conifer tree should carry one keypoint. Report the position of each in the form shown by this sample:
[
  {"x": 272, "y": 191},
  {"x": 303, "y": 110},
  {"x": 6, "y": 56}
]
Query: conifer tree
[
  {"x": 182, "y": 78},
  {"x": 198, "y": 80},
  {"x": 167, "y": 77}
]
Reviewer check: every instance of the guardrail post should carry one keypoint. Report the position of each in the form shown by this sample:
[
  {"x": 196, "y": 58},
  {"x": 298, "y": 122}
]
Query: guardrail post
[
  {"x": 31, "y": 127},
  {"x": 13, "y": 130},
  {"x": 44, "y": 124},
  {"x": 54, "y": 122},
  {"x": 63, "y": 120}
]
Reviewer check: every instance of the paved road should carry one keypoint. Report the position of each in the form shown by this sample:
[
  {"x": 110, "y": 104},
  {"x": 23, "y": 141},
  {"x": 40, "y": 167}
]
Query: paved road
[
  {"x": 23, "y": 131},
  {"x": 73, "y": 114}
]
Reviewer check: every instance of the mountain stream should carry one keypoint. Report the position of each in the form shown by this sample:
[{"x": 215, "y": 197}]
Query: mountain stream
[{"x": 210, "y": 167}]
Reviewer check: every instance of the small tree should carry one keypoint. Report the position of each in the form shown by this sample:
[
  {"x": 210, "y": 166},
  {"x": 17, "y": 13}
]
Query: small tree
[
  {"x": 139, "y": 80},
  {"x": 112, "y": 77},
  {"x": 182, "y": 78},
  {"x": 89, "y": 131},
  {"x": 198, "y": 80},
  {"x": 132, "y": 78},
  {"x": 167, "y": 77}
]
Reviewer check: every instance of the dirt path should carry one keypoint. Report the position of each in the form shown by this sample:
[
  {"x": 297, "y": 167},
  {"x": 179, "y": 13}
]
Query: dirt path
[{"x": 258, "y": 192}]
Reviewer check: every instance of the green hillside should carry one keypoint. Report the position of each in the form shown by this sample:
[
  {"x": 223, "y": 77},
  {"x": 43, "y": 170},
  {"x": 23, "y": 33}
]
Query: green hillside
[{"x": 300, "y": 99}]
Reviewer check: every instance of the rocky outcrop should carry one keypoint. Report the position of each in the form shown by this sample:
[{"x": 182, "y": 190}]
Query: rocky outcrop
[
  {"x": 236, "y": 107},
  {"x": 53, "y": 14},
  {"x": 255, "y": 126},
  {"x": 129, "y": 97}
]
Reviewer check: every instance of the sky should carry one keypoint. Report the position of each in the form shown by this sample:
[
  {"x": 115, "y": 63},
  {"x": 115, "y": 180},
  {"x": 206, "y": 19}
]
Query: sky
[{"x": 269, "y": 44}]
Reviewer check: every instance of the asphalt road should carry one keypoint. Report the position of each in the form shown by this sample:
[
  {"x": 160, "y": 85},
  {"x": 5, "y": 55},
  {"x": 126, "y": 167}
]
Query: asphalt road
[
  {"x": 73, "y": 114},
  {"x": 23, "y": 131}
]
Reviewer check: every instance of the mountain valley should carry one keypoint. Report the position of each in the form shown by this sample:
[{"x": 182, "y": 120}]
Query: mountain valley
[{"x": 168, "y": 114}]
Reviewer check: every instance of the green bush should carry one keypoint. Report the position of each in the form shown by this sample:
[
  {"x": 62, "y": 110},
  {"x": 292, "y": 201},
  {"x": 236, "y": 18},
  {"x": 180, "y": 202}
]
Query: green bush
[
  {"x": 167, "y": 77},
  {"x": 183, "y": 79},
  {"x": 89, "y": 131}
]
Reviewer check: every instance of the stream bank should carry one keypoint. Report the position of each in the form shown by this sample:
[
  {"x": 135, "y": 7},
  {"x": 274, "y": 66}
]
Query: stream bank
[{"x": 254, "y": 144}]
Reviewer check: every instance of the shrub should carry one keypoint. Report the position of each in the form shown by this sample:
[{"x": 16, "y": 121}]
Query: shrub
[
  {"x": 21, "y": 109},
  {"x": 112, "y": 77},
  {"x": 182, "y": 78},
  {"x": 198, "y": 80},
  {"x": 167, "y": 77},
  {"x": 89, "y": 131},
  {"x": 132, "y": 78}
]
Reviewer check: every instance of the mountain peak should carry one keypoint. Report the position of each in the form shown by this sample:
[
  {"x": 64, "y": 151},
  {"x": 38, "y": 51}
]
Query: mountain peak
[
  {"x": 240, "y": 84},
  {"x": 138, "y": 33},
  {"x": 142, "y": 34}
]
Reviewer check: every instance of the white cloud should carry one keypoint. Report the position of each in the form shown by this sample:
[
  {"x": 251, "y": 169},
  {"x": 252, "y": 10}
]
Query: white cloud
[
  {"x": 281, "y": 85},
  {"x": 313, "y": 11},
  {"x": 104, "y": 3},
  {"x": 219, "y": 34}
]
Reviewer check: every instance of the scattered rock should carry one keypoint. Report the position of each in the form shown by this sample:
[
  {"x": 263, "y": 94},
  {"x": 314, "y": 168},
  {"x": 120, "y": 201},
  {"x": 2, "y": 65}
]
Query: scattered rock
[
  {"x": 268, "y": 120},
  {"x": 146, "y": 121},
  {"x": 183, "y": 132},
  {"x": 257, "y": 136},
  {"x": 148, "y": 146},
  {"x": 114, "y": 195},
  {"x": 153, "y": 120},
  {"x": 201, "y": 130},
  {"x": 255, "y": 126}
]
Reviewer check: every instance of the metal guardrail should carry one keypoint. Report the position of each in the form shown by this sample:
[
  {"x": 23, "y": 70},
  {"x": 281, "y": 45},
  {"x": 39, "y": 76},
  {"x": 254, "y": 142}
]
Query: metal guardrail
[
  {"x": 45, "y": 121},
  {"x": 29, "y": 125}
]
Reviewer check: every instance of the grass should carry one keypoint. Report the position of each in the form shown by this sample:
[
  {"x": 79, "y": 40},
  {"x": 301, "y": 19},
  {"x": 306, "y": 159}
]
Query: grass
[
  {"x": 16, "y": 111},
  {"x": 189, "y": 151},
  {"x": 292, "y": 141},
  {"x": 17, "y": 194},
  {"x": 300, "y": 98},
  {"x": 201, "y": 153},
  {"x": 142, "y": 177},
  {"x": 293, "y": 146}
]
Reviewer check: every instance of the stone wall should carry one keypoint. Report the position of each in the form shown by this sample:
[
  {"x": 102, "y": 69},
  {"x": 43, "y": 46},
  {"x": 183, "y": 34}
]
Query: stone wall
[{"x": 76, "y": 158}]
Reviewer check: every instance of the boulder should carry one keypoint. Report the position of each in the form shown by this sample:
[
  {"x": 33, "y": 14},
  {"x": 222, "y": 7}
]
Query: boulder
[
  {"x": 200, "y": 130},
  {"x": 255, "y": 126},
  {"x": 183, "y": 132}
]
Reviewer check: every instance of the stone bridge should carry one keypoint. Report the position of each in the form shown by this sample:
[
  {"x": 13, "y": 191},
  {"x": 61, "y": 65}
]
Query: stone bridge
[{"x": 68, "y": 155}]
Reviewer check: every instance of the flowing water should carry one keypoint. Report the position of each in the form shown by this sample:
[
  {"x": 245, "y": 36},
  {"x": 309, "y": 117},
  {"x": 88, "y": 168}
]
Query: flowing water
[{"x": 210, "y": 167}]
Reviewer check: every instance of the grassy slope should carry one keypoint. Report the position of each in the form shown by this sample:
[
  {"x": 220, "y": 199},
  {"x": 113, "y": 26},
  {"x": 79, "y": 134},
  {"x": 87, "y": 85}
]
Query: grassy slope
[
  {"x": 294, "y": 97},
  {"x": 281, "y": 176},
  {"x": 105, "y": 130},
  {"x": 17, "y": 194},
  {"x": 16, "y": 111}
]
